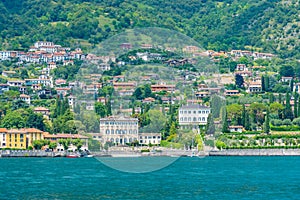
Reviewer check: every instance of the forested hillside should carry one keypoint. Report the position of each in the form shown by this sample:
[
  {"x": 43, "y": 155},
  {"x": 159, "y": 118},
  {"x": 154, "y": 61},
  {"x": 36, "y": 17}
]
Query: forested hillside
[{"x": 271, "y": 25}]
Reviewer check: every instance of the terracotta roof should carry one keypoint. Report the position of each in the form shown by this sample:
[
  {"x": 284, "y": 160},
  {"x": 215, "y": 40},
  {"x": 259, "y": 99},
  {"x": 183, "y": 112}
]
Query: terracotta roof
[
  {"x": 236, "y": 127},
  {"x": 64, "y": 135},
  {"x": 3, "y": 130},
  {"x": 41, "y": 109},
  {"x": 24, "y": 95}
]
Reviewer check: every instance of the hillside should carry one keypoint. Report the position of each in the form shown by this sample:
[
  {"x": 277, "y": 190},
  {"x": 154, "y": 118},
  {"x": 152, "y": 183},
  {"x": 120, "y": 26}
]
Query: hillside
[{"x": 261, "y": 25}]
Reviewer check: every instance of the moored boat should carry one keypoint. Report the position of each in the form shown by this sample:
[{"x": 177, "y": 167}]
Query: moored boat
[{"x": 73, "y": 156}]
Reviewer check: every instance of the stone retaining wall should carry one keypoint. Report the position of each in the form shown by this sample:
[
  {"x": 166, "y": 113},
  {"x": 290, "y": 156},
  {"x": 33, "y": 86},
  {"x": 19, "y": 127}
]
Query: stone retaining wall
[
  {"x": 256, "y": 152},
  {"x": 25, "y": 153}
]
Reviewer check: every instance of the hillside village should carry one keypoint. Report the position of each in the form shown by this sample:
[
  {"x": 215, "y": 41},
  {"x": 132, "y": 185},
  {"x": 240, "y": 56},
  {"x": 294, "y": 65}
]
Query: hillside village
[{"x": 250, "y": 101}]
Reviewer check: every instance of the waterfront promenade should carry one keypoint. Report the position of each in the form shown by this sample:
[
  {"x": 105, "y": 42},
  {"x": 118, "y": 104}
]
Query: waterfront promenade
[
  {"x": 256, "y": 152},
  {"x": 167, "y": 152}
]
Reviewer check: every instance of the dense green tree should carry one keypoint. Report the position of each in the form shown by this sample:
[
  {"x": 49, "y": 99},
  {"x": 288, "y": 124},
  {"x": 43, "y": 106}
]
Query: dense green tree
[
  {"x": 239, "y": 81},
  {"x": 17, "y": 104},
  {"x": 138, "y": 94},
  {"x": 286, "y": 70},
  {"x": 35, "y": 121},
  {"x": 13, "y": 119},
  {"x": 100, "y": 109}
]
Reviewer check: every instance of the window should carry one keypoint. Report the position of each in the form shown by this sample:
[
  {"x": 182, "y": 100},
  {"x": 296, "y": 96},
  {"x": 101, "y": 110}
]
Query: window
[
  {"x": 195, "y": 111},
  {"x": 185, "y": 119},
  {"x": 189, "y": 119},
  {"x": 107, "y": 131},
  {"x": 207, "y": 111},
  {"x": 194, "y": 119},
  {"x": 189, "y": 112},
  {"x": 203, "y": 111},
  {"x": 112, "y": 131},
  {"x": 199, "y": 111},
  {"x": 203, "y": 119}
]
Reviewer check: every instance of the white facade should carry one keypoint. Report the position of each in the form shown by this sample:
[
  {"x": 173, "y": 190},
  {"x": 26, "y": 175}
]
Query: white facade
[
  {"x": 25, "y": 98},
  {"x": 193, "y": 115},
  {"x": 43, "y": 43},
  {"x": 2, "y": 139},
  {"x": 150, "y": 138},
  {"x": 119, "y": 130}
]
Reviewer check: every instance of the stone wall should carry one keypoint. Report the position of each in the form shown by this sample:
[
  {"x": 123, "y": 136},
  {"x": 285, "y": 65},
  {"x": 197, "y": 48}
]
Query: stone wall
[{"x": 256, "y": 152}]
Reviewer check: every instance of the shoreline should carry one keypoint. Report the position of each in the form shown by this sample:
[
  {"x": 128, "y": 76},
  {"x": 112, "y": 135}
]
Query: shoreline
[
  {"x": 171, "y": 153},
  {"x": 256, "y": 152}
]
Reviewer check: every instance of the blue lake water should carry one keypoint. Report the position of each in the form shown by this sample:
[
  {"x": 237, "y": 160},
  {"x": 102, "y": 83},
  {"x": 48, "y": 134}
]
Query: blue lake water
[{"x": 187, "y": 178}]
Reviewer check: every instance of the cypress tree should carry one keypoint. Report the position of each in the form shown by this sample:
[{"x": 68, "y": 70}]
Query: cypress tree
[
  {"x": 263, "y": 83},
  {"x": 298, "y": 111},
  {"x": 267, "y": 124},
  {"x": 247, "y": 121},
  {"x": 292, "y": 85},
  {"x": 244, "y": 115},
  {"x": 210, "y": 126},
  {"x": 133, "y": 110},
  {"x": 280, "y": 98},
  {"x": 288, "y": 113},
  {"x": 225, "y": 127},
  {"x": 296, "y": 99},
  {"x": 65, "y": 106},
  {"x": 108, "y": 107},
  {"x": 267, "y": 82},
  {"x": 271, "y": 98}
]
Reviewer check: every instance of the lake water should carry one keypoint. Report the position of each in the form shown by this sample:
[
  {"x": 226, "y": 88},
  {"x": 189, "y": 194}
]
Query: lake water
[{"x": 187, "y": 178}]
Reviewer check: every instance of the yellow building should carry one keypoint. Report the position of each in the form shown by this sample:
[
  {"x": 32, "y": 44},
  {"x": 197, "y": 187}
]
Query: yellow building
[{"x": 20, "y": 138}]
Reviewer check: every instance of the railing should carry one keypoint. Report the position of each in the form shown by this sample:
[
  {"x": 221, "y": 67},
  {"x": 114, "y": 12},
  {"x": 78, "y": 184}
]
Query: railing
[{"x": 25, "y": 153}]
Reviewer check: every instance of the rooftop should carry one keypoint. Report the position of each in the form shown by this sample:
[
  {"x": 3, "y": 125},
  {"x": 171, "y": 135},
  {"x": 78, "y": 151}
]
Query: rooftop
[{"x": 194, "y": 106}]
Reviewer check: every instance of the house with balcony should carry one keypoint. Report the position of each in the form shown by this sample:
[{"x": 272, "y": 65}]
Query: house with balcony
[
  {"x": 119, "y": 129},
  {"x": 25, "y": 98},
  {"x": 192, "y": 115}
]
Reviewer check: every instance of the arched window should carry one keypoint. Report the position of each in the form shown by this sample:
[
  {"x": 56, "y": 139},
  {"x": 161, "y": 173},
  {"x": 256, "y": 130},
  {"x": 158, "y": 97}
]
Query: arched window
[
  {"x": 203, "y": 119},
  {"x": 194, "y": 119},
  {"x": 107, "y": 131},
  {"x": 112, "y": 131}
]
